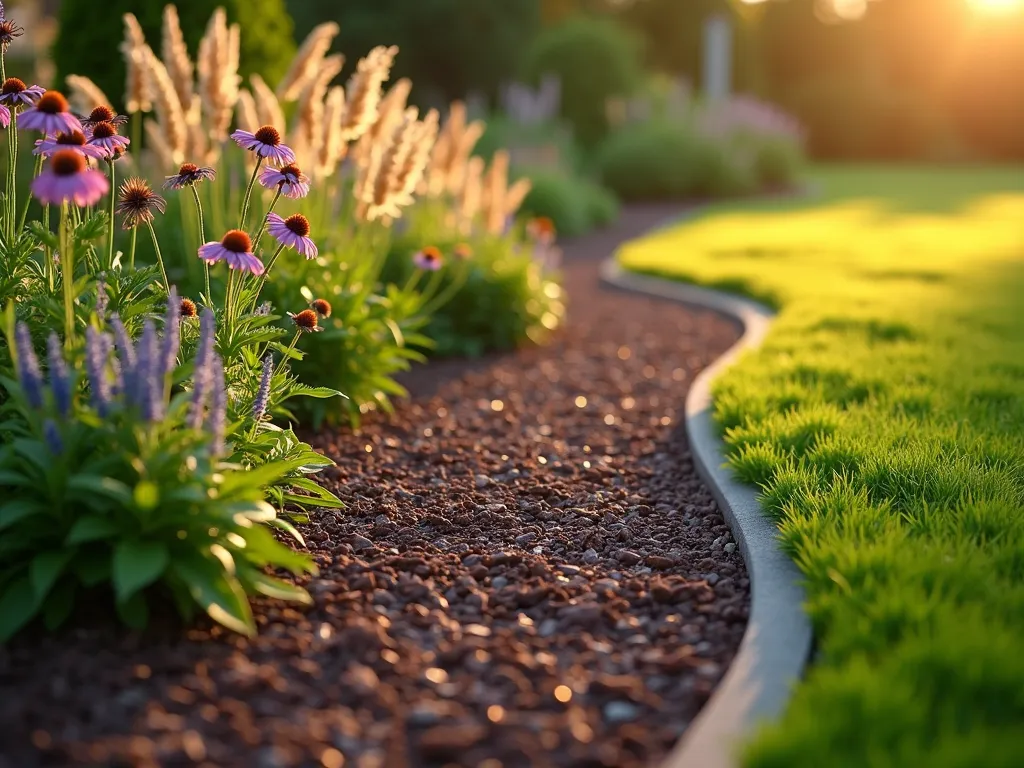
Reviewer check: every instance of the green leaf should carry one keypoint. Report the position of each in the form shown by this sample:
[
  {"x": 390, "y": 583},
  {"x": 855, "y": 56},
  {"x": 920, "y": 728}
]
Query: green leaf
[
  {"x": 322, "y": 393},
  {"x": 45, "y": 569},
  {"x": 136, "y": 565},
  {"x": 91, "y": 528},
  {"x": 59, "y": 604},
  {"x": 92, "y": 567},
  {"x": 92, "y": 228},
  {"x": 104, "y": 486},
  {"x": 13, "y": 511},
  {"x": 45, "y": 236},
  {"x": 280, "y": 590},
  {"x": 17, "y": 607},
  {"x": 221, "y": 596},
  {"x": 134, "y": 611}
]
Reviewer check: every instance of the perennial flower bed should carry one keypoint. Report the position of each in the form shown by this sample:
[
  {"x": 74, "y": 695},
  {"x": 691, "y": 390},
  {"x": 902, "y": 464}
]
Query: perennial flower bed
[{"x": 149, "y": 384}]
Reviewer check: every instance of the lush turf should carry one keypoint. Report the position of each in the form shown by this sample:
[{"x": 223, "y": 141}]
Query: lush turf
[{"x": 884, "y": 421}]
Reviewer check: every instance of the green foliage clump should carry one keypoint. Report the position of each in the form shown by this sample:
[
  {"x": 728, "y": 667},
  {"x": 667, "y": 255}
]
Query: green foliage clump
[
  {"x": 595, "y": 59},
  {"x": 449, "y": 47},
  {"x": 575, "y": 204},
  {"x": 87, "y": 38},
  {"x": 655, "y": 160}
]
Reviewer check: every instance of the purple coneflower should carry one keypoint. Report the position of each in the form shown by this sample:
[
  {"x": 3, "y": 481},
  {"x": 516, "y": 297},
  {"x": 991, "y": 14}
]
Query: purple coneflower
[
  {"x": 105, "y": 136},
  {"x": 236, "y": 249},
  {"x": 75, "y": 140},
  {"x": 290, "y": 180},
  {"x": 29, "y": 377},
  {"x": 428, "y": 259},
  {"x": 136, "y": 201},
  {"x": 188, "y": 308},
  {"x": 60, "y": 379},
  {"x": 542, "y": 230},
  {"x": 103, "y": 114},
  {"x": 188, "y": 175},
  {"x": 463, "y": 251},
  {"x": 68, "y": 178},
  {"x": 50, "y": 115},
  {"x": 322, "y": 307},
  {"x": 259, "y": 405},
  {"x": 292, "y": 232},
  {"x": 306, "y": 321},
  {"x": 14, "y": 93},
  {"x": 266, "y": 143}
]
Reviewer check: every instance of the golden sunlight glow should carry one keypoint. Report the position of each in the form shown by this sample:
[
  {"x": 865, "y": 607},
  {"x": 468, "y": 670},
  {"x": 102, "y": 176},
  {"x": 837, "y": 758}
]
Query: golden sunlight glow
[{"x": 997, "y": 6}]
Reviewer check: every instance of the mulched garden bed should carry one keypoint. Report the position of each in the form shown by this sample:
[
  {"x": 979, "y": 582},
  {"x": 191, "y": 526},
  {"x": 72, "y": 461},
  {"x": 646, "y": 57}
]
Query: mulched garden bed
[{"x": 528, "y": 573}]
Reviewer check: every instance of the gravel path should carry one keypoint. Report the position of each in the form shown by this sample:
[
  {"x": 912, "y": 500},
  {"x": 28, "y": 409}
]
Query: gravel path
[{"x": 528, "y": 573}]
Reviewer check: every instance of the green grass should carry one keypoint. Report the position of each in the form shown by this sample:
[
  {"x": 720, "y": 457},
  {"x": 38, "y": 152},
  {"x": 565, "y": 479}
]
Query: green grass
[{"x": 883, "y": 420}]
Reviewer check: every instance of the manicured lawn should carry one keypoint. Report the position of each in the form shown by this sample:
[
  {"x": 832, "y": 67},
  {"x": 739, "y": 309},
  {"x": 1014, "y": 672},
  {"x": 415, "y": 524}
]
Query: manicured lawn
[{"x": 884, "y": 421}]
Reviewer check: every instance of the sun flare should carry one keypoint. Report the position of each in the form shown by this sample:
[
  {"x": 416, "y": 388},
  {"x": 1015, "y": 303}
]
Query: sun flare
[{"x": 997, "y": 6}]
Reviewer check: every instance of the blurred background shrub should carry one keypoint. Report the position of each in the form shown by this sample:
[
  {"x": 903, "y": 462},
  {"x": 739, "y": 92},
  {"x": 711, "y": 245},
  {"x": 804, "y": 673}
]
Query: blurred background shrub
[{"x": 88, "y": 35}]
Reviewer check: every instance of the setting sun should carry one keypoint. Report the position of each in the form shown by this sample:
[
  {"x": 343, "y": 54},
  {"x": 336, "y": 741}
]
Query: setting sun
[{"x": 997, "y": 6}]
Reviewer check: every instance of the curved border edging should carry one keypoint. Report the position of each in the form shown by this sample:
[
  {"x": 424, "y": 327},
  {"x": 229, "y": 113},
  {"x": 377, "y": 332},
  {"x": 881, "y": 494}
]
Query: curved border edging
[{"x": 777, "y": 641}]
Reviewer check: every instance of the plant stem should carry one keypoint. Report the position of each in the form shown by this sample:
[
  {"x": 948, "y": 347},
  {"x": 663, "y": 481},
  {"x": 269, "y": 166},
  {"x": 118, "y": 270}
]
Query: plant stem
[
  {"x": 28, "y": 200},
  {"x": 202, "y": 239},
  {"x": 67, "y": 266},
  {"x": 131, "y": 250},
  {"x": 263, "y": 227},
  {"x": 266, "y": 274},
  {"x": 159, "y": 256},
  {"x": 110, "y": 224},
  {"x": 47, "y": 255},
  {"x": 248, "y": 194},
  {"x": 12, "y": 179}
]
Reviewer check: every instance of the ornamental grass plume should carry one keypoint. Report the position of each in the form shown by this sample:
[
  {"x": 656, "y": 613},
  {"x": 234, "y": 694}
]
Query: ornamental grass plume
[
  {"x": 389, "y": 114},
  {"x": 268, "y": 108},
  {"x": 137, "y": 92},
  {"x": 411, "y": 173},
  {"x": 363, "y": 90},
  {"x": 169, "y": 111},
  {"x": 246, "y": 116},
  {"x": 333, "y": 148},
  {"x": 381, "y": 173},
  {"x": 217, "y": 64},
  {"x": 85, "y": 95},
  {"x": 175, "y": 56},
  {"x": 307, "y": 61},
  {"x": 308, "y": 130},
  {"x": 495, "y": 190},
  {"x": 471, "y": 196}
]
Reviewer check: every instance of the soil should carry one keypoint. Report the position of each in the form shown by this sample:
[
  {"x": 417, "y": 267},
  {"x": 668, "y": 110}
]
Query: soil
[{"x": 528, "y": 573}]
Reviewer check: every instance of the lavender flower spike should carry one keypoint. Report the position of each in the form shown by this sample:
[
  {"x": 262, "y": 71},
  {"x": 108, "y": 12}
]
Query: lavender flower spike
[
  {"x": 28, "y": 367},
  {"x": 202, "y": 376},
  {"x": 259, "y": 406},
  {"x": 126, "y": 353},
  {"x": 96, "y": 352},
  {"x": 172, "y": 333},
  {"x": 218, "y": 406},
  {"x": 60, "y": 379},
  {"x": 149, "y": 386},
  {"x": 51, "y": 434}
]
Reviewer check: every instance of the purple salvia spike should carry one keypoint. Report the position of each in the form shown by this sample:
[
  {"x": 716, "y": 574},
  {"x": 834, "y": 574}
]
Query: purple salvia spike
[
  {"x": 101, "y": 299},
  {"x": 259, "y": 406},
  {"x": 148, "y": 381},
  {"x": 202, "y": 375},
  {"x": 96, "y": 353},
  {"x": 60, "y": 379},
  {"x": 51, "y": 434},
  {"x": 217, "y": 421},
  {"x": 125, "y": 361},
  {"x": 28, "y": 367},
  {"x": 172, "y": 332}
]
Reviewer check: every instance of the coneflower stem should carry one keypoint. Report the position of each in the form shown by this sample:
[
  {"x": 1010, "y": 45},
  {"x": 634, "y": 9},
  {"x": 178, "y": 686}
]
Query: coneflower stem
[
  {"x": 67, "y": 266},
  {"x": 202, "y": 238},
  {"x": 266, "y": 274},
  {"x": 159, "y": 256},
  {"x": 47, "y": 255},
  {"x": 110, "y": 224},
  {"x": 131, "y": 250},
  {"x": 248, "y": 193},
  {"x": 28, "y": 200},
  {"x": 263, "y": 226},
  {"x": 295, "y": 340},
  {"x": 12, "y": 177}
]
